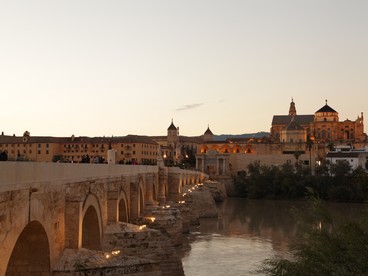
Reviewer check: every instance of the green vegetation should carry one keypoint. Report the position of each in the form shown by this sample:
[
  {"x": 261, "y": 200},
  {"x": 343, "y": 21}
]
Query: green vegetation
[
  {"x": 326, "y": 245},
  {"x": 58, "y": 158},
  {"x": 333, "y": 182}
]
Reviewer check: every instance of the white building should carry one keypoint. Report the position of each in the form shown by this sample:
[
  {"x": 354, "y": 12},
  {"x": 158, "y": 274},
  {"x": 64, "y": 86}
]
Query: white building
[{"x": 355, "y": 157}]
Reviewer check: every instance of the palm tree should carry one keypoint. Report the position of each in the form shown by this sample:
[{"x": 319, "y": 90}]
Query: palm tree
[
  {"x": 309, "y": 146},
  {"x": 330, "y": 146}
]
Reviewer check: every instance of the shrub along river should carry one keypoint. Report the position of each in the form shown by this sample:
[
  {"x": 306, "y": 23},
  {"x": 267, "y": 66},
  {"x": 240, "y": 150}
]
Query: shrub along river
[{"x": 245, "y": 233}]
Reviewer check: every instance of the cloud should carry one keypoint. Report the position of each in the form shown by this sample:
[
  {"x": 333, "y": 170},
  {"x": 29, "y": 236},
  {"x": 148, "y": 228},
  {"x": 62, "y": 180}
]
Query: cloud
[
  {"x": 196, "y": 105},
  {"x": 189, "y": 106}
]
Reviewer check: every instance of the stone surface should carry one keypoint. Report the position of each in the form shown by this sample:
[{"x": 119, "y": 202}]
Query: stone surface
[
  {"x": 87, "y": 262},
  {"x": 218, "y": 190},
  {"x": 201, "y": 201},
  {"x": 144, "y": 242}
]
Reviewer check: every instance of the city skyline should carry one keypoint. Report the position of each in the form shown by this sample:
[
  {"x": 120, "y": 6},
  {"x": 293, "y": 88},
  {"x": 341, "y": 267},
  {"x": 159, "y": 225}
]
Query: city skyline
[{"x": 94, "y": 68}]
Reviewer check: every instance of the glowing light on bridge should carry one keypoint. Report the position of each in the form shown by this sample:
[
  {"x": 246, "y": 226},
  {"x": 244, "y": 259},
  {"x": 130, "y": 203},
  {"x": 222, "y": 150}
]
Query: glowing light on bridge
[
  {"x": 108, "y": 255},
  {"x": 116, "y": 252},
  {"x": 142, "y": 227},
  {"x": 152, "y": 219}
]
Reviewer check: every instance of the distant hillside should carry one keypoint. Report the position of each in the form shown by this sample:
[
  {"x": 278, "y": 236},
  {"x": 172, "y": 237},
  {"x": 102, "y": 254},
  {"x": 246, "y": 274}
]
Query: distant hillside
[{"x": 223, "y": 137}]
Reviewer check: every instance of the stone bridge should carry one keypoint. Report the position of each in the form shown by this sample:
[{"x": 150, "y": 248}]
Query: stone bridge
[{"x": 48, "y": 207}]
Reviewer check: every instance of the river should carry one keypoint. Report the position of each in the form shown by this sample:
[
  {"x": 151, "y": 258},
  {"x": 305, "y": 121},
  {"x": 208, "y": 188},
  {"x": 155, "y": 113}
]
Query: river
[{"x": 245, "y": 233}]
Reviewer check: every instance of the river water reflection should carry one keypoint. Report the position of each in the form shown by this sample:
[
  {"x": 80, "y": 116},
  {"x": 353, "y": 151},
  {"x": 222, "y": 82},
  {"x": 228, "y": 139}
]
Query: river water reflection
[{"x": 246, "y": 232}]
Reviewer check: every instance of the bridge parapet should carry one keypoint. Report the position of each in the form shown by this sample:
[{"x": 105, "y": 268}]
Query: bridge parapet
[
  {"x": 18, "y": 173},
  {"x": 178, "y": 178}
]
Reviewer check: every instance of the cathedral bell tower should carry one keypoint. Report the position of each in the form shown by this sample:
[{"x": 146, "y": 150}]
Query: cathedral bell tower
[
  {"x": 292, "y": 109},
  {"x": 173, "y": 141}
]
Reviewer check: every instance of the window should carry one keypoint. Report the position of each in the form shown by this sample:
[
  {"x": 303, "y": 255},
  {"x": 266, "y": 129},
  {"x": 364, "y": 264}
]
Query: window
[
  {"x": 133, "y": 151},
  {"x": 39, "y": 152},
  {"x": 39, "y": 146},
  {"x": 47, "y": 145},
  {"x": 47, "y": 151}
]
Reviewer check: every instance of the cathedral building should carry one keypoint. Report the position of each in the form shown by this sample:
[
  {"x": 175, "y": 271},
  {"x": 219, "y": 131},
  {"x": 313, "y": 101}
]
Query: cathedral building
[{"x": 322, "y": 126}]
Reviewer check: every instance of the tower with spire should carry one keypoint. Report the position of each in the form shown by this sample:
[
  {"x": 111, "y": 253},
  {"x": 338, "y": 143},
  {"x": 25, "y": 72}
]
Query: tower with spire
[
  {"x": 292, "y": 109},
  {"x": 172, "y": 134},
  {"x": 173, "y": 141},
  {"x": 208, "y": 135}
]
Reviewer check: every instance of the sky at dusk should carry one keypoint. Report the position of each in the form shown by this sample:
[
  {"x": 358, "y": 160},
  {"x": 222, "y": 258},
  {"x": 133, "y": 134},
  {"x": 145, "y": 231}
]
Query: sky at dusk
[{"x": 95, "y": 68}]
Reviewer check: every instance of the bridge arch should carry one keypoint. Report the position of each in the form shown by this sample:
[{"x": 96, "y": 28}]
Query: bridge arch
[
  {"x": 91, "y": 223},
  {"x": 31, "y": 253},
  {"x": 123, "y": 209}
]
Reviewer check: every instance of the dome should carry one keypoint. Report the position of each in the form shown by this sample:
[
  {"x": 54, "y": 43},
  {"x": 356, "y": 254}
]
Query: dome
[{"x": 326, "y": 108}]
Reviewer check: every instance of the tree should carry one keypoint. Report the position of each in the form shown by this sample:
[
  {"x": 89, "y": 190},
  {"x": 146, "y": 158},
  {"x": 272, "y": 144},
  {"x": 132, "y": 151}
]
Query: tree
[
  {"x": 58, "y": 158},
  {"x": 297, "y": 154},
  {"x": 310, "y": 146},
  {"x": 340, "y": 169},
  {"x": 240, "y": 184},
  {"x": 330, "y": 146}
]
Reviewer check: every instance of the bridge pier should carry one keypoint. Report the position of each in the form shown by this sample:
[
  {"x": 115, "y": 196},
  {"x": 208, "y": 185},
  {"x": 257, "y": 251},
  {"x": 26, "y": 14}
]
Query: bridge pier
[
  {"x": 162, "y": 185},
  {"x": 112, "y": 206},
  {"x": 150, "y": 190},
  {"x": 72, "y": 223}
]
